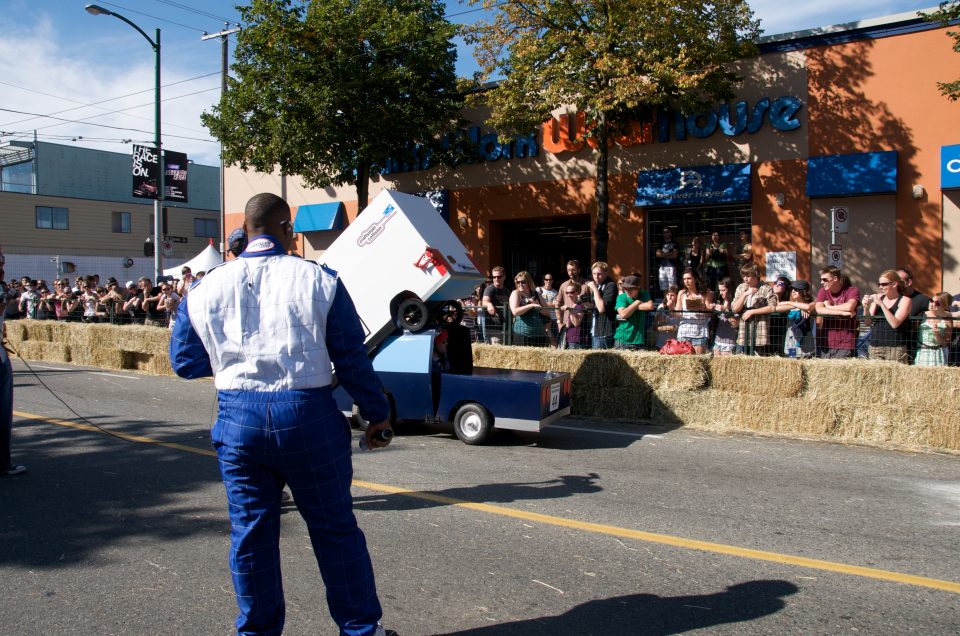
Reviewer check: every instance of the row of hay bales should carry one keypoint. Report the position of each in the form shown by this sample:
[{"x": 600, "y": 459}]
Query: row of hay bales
[
  {"x": 862, "y": 401},
  {"x": 131, "y": 347},
  {"x": 856, "y": 400}
]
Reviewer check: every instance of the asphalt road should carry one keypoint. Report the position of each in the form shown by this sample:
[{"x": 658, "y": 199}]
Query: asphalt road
[{"x": 589, "y": 528}]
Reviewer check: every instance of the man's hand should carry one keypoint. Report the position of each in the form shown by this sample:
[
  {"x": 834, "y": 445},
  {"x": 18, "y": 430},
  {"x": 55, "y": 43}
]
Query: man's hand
[{"x": 373, "y": 441}]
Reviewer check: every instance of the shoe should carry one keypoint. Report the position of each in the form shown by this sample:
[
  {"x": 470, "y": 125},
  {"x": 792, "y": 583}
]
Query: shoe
[{"x": 15, "y": 469}]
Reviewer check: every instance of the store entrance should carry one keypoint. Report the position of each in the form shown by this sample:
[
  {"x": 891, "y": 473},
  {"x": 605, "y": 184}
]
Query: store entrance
[
  {"x": 688, "y": 222},
  {"x": 542, "y": 246}
]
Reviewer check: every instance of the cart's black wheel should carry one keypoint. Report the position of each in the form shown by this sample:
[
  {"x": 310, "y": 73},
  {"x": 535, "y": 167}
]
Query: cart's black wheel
[
  {"x": 412, "y": 314},
  {"x": 450, "y": 313},
  {"x": 473, "y": 424}
]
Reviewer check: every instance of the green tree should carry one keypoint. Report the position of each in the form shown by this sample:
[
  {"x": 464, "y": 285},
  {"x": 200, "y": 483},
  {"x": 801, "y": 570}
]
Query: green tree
[
  {"x": 615, "y": 60},
  {"x": 328, "y": 89},
  {"x": 949, "y": 12}
]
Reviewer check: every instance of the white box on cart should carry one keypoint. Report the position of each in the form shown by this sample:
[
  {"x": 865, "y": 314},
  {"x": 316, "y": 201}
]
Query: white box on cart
[{"x": 400, "y": 248}]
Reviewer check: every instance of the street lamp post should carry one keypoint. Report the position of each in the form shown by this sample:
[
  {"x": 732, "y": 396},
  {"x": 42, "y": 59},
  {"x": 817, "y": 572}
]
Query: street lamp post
[{"x": 94, "y": 9}]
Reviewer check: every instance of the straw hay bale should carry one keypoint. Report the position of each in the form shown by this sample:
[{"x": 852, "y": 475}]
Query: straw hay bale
[
  {"x": 16, "y": 331},
  {"x": 39, "y": 330},
  {"x": 707, "y": 409},
  {"x": 103, "y": 357},
  {"x": 615, "y": 403},
  {"x": 39, "y": 350},
  {"x": 774, "y": 414},
  {"x": 851, "y": 381},
  {"x": 602, "y": 369},
  {"x": 886, "y": 424},
  {"x": 920, "y": 386},
  {"x": 756, "y": 376}
]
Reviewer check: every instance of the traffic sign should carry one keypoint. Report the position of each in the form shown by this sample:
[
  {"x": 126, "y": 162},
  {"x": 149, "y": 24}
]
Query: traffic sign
[
  {"x": 840, "y": 216},
  {"x": 167, "y": 248},
  {"x": 835, "y": 255}
]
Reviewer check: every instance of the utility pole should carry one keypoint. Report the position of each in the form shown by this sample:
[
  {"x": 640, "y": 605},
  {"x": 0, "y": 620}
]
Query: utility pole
[{"x": 224, "y": 46}]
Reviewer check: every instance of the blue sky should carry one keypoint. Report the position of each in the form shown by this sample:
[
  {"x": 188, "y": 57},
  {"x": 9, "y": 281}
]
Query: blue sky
[{"x": 57, "y": 59}]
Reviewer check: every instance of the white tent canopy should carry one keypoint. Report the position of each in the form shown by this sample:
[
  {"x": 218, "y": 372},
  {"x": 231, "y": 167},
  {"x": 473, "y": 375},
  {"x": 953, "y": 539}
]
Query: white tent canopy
[{"x": 202, "y": 262}]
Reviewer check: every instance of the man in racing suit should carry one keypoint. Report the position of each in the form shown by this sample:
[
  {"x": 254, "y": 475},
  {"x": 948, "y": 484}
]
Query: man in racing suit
[{"x": 267, "y": 326}]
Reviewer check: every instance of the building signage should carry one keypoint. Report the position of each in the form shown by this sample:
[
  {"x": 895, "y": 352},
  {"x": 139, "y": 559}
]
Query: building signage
[
  {"x": 175, "y": 177},
  {"x": 566, "y": 133},
  {"x": 145, "y": 174},
  {"x": 694, "y": 185},
  {"x": 949, "y": 167},
  {"x": 781, "y": 264}
]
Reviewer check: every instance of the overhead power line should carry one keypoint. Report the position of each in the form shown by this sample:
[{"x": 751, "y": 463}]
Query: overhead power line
[
  {"x": 155, "y": 17},
  {"x": 197, "y": 11},
  {"x": 86, "y": 123}
]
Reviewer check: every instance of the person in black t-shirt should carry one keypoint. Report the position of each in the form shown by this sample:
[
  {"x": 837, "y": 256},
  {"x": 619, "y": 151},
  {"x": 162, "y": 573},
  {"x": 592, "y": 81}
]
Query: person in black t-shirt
[{"x": 495, "y": 296}]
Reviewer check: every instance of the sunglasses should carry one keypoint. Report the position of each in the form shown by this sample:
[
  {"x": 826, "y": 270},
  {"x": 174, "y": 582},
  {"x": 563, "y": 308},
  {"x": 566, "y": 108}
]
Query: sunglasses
[{"x": 884, "y": 284}]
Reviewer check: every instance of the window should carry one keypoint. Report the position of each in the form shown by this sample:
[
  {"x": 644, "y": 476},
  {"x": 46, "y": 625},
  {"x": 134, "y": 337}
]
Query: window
[
  {"x": 206, "y": 228},
  {"x": 52, "y": 218},
  {"x": 121, "y": 222}
]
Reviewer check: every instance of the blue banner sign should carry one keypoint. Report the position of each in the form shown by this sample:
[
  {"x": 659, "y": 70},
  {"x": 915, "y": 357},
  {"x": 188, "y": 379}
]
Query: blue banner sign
[
  {"x": 853, "y": 174},
  {"x": 694, "y": 185},
  {"x": 949, "y": 167}
]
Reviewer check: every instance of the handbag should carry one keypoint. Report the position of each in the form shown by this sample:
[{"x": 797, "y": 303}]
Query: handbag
[{"x": 675, "y": 347}]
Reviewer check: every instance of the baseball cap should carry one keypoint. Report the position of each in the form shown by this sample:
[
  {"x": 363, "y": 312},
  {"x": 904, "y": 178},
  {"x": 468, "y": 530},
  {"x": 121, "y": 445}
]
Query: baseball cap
[
  {"x": 800, "y": 285},
  {"x": 130, "y": 284},
  {"x": 630, "y": 282}
]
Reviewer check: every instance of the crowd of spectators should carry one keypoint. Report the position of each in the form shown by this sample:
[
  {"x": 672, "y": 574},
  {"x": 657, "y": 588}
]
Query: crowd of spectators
[
  {"x": 87, "y": 299},
  {"x": 699, "y": 302},
  {"x": 718, "y": 316}
]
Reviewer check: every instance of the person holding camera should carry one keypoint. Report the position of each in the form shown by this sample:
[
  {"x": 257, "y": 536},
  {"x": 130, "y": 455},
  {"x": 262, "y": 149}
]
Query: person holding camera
[
  {"x": 889, "y": 336},
  {"x": 717, "y": 257}
]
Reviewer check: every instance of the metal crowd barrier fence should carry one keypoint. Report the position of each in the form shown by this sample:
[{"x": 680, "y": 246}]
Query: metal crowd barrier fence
[{"x": 937, "y": 340}]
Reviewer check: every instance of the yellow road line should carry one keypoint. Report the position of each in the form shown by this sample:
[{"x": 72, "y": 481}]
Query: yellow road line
[
  {"x": 597, "y": 528},
  {"x": 126, "y": 436}
]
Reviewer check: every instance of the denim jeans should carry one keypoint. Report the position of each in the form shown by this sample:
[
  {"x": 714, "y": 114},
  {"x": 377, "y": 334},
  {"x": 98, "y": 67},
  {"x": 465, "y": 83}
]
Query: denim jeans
[{"x": 603, "y": 342}]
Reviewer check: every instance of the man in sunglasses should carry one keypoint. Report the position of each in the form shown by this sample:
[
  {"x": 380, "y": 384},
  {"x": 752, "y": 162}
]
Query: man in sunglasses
[{"x": 837, "y": 325}]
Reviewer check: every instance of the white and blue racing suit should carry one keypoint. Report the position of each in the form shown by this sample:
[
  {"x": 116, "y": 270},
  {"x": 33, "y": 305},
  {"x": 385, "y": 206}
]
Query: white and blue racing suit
[{"x": 268, "y": 326}]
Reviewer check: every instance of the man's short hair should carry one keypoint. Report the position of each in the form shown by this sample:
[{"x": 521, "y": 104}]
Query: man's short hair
[
  {"x": 601, "y": 264},
  {"x": 909, "y": 274},
  {"x": 574, "y": 262},
  {"x": 264, "y": 208},
  {"x": 832, "y": 271},
  {"x": 185, "y": 270},
  {"x": 498, "y": 268}
]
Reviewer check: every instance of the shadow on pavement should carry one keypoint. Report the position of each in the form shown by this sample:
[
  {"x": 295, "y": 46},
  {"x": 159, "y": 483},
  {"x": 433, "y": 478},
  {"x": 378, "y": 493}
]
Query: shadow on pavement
[
  {"x": 85, "y": 491},
  {"x": 652, "y": 615},
  {"x": 562, "y": 486}
]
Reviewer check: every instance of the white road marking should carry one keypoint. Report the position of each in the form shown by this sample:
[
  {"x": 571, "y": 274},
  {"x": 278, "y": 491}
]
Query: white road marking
[{"x": 112, "y": 375}]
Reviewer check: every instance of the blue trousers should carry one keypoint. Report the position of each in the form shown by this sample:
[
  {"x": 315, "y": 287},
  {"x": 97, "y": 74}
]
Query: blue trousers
[
  {"x": 6, "y": 409},
  {"x": 263, "y": 441}
]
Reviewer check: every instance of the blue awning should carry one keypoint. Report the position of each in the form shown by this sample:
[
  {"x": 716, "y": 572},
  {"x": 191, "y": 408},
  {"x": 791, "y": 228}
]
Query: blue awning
[
  {"x": 318, "y": 217},
  {"x": 845, "y": 175}
]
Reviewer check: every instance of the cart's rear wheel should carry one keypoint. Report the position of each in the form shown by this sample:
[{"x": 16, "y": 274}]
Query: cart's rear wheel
[
  {"x": 412, "y": 314},
  {"x": 450, "y": 312},
  {"x": 473, "y": 424}
]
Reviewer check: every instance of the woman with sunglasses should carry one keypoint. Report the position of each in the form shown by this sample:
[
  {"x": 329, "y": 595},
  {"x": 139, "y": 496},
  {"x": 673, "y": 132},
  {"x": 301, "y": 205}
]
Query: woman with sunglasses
[
  {"x": 933, "y": 334},
  {"x": 527, "y": 308},
  {"x": 888, "y": 337}
]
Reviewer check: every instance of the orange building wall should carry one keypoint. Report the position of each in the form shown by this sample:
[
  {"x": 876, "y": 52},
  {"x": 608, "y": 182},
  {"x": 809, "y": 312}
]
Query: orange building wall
[
  {"x": 781, "y": 228},
  {"x": 882, "y": 95}
]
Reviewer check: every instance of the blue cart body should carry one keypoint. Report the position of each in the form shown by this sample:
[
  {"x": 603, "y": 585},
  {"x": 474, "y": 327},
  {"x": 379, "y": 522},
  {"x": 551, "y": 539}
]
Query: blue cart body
[{"x": 516, "y": 400}]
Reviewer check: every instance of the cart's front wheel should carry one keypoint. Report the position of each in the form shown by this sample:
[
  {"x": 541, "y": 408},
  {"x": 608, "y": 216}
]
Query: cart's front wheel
[
  {"x": 412, "y": 314},
  {"x": 473, "y": 424}
]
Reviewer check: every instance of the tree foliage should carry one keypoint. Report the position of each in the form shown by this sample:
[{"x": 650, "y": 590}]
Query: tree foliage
[
  {"x": 615, "y": 60},
  {"x": 328, "y": 89},
  {"x": 949, "y": 12}
]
